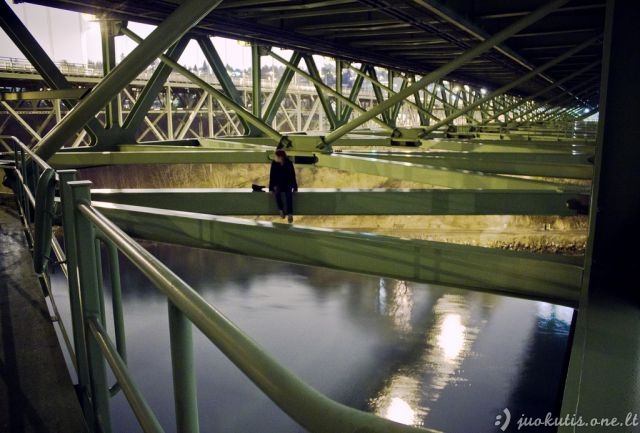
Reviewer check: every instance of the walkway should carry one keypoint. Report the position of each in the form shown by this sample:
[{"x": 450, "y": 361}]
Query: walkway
[{"x": 36, "y": 392}]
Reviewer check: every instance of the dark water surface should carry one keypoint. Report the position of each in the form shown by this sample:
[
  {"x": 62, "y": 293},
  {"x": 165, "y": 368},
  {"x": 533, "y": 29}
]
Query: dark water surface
[{"x": 426, "y": 355}]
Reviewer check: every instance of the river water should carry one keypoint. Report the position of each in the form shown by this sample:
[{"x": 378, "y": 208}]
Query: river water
[{"x": 433, "y": 356}]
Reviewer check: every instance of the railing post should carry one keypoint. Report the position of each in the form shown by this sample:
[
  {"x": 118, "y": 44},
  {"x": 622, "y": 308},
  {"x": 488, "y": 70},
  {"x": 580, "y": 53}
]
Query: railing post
[
  {"x": 116, "y": 299},
  {"x": 77, "y": 322},
  {"x": 19, "y": 187},
  {"x": 26, "y": 205},
  {"x": 90, "y": 296},
  {"x": 100, "y": 279},
  {"x": 184, "y": 376}
]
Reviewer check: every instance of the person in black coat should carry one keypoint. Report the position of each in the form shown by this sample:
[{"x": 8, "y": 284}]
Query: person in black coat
[{"x": 282, "y": 181}]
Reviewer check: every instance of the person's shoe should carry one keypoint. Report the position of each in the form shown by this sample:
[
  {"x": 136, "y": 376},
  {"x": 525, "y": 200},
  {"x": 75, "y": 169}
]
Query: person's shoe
[
  {"x": 290, "y": 218},
  {"x": 281, "y": 214}
]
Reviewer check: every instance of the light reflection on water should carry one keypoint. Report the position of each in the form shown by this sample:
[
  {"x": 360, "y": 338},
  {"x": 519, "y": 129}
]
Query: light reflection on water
[
  {"x": 409, "y": 392},
  {"x": 418, "y": 354}
]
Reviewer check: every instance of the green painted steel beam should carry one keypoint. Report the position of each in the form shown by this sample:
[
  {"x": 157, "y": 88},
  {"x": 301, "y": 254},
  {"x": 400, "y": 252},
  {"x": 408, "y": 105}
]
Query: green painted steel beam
[
  {"x": 70, "y": 93},
  {"x": 422, "y": 111},
  {"x": 195, "y": 145},
  {"x": 556, "y": 100},
  {"x": 68, "y": 159},
  {"x": 442, "y": 71},
  {"x": 109, "y": 28},
  {"x": 18, "y": 118},
  {"x": 510, "y": 145},
  {"x": 396, "y": 109},
  {"x": 151, "y": 89},
  {"x": 221, "y": 73},
  {"x": 319, "y": 84},
  {"x": 350, "y": 201},
  {"x": 551, "y": 166},
  {"x": 357, "y": 138},
  {"x": 544, "y": 277},
  {"x": 371, "y": 72},
  {"x": 218, "y": 68},
  {"x": 431, "y": 175},
  {"x": 324, "y": 100},
  {"x": 558, "y": 83},
  {"x": 37, "y": 56},
  {"x": 256, "y": 80},
  {"x": 537, "y": 157},
  {"x": 523, "y": 79},
  {"x": 240, "y": 111},
  {"x": 280, "y": 91},
  {"x": 356, "y": 87},
  {"x": 184, "y": 17},
  {"x": 339, "y": 83}
]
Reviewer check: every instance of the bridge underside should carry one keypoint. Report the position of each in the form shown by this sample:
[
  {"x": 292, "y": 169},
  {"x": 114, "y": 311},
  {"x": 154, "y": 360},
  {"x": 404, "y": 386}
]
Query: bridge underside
[{"x": 480, "y": 111}]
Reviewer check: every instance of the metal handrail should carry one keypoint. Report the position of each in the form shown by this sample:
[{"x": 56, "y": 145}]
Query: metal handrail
[
  {"x": 311, "y": 409},
  {"x": 25, "y": 192},
  {"x": 41, "y": 162},
  {"x": 141, "y": 409}
]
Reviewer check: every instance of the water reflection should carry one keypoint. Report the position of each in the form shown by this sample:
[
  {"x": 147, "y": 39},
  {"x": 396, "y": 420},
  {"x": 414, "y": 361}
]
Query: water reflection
[
  {"x": 418, "y": 354},
  {"x": 451, "y": 337},
  {"x": 411, "y": 390},
  {"x": 397, "y": 303}
]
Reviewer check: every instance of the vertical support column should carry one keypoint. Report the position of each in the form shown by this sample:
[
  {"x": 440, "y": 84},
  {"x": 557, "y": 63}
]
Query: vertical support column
[
  {"x": 168, "y": 109},
  {"x": 256, "y": 75},
  {"x": 210, "y": 116},
  {"x": 614, "y": 222},
  {"x": 119, "y": 109},
  {"x": 107, "y": 37},
  {"x": 339, "y": 70},
  {"x": 184, "y": 376},
  {"x": 57, "y": 110},
  {"x": 90, "y": 300},
  {"x": 607, "y": 359}
]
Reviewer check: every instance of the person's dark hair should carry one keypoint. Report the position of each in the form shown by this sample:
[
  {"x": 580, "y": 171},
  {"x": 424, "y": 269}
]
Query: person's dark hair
[{"x": 281, "y": 153}]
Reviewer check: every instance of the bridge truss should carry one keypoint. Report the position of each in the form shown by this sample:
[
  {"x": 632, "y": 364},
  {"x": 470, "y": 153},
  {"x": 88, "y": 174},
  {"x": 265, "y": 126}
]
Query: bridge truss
[{"x": 441, "y": 103}]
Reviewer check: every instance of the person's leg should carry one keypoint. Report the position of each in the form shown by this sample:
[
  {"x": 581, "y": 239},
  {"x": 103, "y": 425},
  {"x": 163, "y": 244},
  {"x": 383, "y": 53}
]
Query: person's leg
[
  {"x": 288, "y": 195},
  {"x": 276, "y": 193}
]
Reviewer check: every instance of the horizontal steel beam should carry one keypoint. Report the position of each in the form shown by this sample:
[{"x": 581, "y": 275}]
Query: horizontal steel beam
[
  {"x": 72, "y": 93},
  {"x": 431, "y": 175},
  {"x": 71, "y": 159},
  {"x": 416, "y": 156},
  {"x": 544, "y": 277},
  {"x": 350, "y": 201},
  {"x": 552, "y": 165},
  {"x": 511, "y": 145}
]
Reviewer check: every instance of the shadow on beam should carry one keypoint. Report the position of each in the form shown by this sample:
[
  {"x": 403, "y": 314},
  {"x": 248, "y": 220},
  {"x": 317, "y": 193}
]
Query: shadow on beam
[{"x": 543, "y": 277}]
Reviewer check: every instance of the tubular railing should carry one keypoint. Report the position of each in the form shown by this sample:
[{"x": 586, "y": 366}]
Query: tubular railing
[
  {"x": 33, "y": 182},
  {"x": 85, "y": 228}
]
